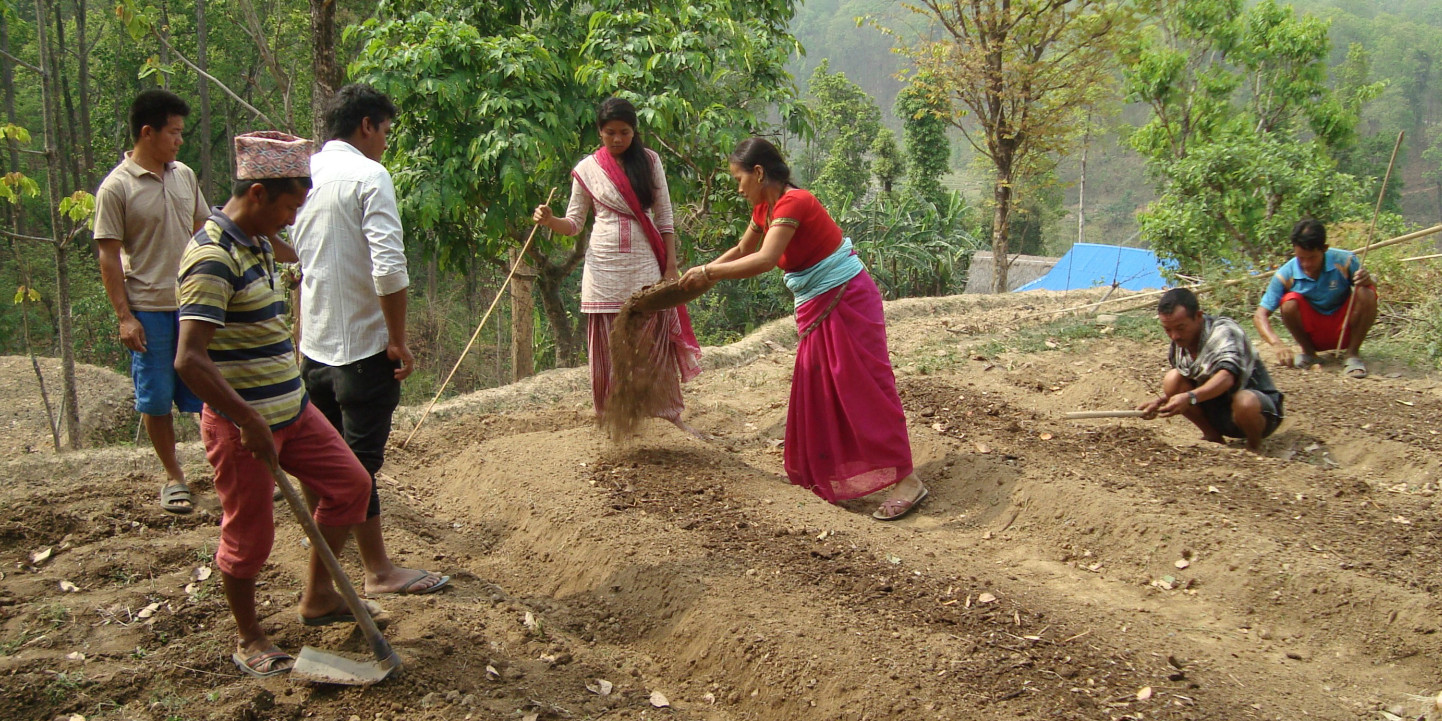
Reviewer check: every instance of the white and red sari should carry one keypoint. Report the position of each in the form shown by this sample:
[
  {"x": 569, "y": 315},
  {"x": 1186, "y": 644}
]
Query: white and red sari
[{"x": 626, "y": 253}]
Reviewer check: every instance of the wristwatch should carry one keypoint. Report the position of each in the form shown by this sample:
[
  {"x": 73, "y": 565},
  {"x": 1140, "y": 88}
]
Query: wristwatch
[{"x": 1192, "y": 397}]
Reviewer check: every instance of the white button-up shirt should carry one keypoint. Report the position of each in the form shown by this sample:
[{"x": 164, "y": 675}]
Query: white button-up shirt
[{"x": 348, "y": 235}]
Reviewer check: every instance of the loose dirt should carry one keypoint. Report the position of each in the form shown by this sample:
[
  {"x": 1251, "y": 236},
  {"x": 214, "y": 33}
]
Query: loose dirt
[
  {"x": 1109, "y": 569},
  {"x": 639, "y": 384}
]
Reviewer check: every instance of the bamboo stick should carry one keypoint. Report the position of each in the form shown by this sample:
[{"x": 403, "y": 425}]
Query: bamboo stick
[
  {"x": 1421, "y": 257},
  {"x": 482, "y": 324},
  {"x": 1080, "y": 415},
  {"x": 1362, "y": 262}
]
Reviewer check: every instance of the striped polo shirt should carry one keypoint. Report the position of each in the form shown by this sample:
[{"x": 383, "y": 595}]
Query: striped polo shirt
[{"x": 228, "y": 279}]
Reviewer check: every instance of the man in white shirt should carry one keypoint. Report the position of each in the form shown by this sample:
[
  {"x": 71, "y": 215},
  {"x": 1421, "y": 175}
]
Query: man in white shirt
[{"x": 353, "y": 305}]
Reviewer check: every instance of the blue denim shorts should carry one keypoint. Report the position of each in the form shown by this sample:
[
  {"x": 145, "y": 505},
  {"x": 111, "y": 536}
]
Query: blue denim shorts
[{"x": 157, "y": 385}]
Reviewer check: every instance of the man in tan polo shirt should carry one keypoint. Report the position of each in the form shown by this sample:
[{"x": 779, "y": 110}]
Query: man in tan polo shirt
[{"x": 145, "y": 212}]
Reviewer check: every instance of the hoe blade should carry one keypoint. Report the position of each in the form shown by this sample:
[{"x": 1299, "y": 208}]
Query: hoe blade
[{"x": 320, "y": 666}]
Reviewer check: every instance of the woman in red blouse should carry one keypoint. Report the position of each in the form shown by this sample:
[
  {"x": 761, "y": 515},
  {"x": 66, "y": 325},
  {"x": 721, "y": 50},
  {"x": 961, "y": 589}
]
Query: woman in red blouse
[{"x": 845, "y": 430}]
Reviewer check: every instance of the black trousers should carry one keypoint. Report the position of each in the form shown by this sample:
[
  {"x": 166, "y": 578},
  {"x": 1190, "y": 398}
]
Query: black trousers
[{"x": 358, "y": 399}]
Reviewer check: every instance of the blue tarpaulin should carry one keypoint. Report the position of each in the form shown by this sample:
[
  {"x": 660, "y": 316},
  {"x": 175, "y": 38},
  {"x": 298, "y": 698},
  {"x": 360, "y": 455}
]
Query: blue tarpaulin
[{"x": 1091, "y": 265}]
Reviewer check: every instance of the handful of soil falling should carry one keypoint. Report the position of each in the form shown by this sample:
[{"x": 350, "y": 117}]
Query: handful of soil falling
[{"x": 638, "y": 385}]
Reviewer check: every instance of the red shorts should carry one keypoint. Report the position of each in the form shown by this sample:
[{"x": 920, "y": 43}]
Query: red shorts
[
  {"x": 1324, "y": 330},
  {"x": 312, "y": 451}
]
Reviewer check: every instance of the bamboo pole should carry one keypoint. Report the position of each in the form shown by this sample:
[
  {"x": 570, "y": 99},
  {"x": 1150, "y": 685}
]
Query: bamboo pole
[
  {"x": 1080, "y": 415},
  {"x": 1203, "y": 287},
  {"x": 479, "y": 326},
  {"x": 1421, "y": 257},
  {"x": 1362, "y": 262}
]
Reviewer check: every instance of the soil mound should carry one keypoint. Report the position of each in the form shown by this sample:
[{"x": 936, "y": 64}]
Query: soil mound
[{"x": 105, "y": 400}]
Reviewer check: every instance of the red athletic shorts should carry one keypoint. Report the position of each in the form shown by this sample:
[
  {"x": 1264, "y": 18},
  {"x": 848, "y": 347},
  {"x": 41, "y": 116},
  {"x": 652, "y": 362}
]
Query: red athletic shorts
[
  {"x": 1322, "y": 329},
  {"x": 312, "y": 451}
]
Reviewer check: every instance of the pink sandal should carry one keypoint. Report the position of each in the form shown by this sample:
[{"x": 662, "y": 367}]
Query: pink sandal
[{"x": 896, "y": 508}]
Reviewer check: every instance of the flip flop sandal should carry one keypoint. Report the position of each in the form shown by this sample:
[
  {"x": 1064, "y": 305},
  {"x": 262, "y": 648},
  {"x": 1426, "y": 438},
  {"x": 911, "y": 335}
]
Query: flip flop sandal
[
  {"x": 1355, "y": 368},
  {"x": 900, "y": 507},
  {"x": 273, "y": 661},
  {"x": 1304, "y": 361},
  {"x": 342, "y": 616},
  {"x": 420, "y": 576},
  {"x": 175, "y": 498}
]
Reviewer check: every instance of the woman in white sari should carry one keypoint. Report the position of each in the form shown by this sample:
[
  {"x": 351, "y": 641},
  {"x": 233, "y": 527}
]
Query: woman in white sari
[{"x": 632, "y": 245}]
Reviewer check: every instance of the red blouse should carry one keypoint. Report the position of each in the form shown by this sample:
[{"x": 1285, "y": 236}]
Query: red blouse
[{"x": 817, "y": 235}]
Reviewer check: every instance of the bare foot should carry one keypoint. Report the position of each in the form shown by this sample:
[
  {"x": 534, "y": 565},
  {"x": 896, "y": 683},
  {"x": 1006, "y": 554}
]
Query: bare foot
[{"x": 1214, "y": 438}]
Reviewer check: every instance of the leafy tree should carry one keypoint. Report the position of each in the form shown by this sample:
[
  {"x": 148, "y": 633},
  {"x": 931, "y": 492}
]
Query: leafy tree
[
  {"x": 499, "y": 102},
  {"x": 928, "y": 150},
  {"x": 1244, "y": 129},
  {"x": 887, "y": 162},
  {"x": 1432, "y": 156},
  {"x": 911, "y": 247},
  {"x": 847, "y": 122},
  {"x": 1013, "y": 75}
]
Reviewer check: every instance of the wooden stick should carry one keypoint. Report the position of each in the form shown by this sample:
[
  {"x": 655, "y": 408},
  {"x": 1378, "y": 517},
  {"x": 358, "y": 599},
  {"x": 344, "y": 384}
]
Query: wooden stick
[
  {"x": 519, "y": 259},
  {"x": 1361, "y": 263},
  {"x": 1421, "y": 257},
  {"x": 1079, "y": 415}
]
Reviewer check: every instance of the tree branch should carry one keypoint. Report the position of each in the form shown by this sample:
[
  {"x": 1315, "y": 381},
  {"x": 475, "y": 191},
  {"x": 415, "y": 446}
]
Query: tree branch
[
  {"x": 223, "y": 87},
  {"x": 22, "y": 63},
  {"x": 22, "y": 236}
]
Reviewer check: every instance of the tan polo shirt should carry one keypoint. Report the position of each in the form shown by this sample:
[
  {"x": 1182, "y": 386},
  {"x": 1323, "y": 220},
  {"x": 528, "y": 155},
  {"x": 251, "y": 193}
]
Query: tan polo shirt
[{"x": 153, "y": 217}]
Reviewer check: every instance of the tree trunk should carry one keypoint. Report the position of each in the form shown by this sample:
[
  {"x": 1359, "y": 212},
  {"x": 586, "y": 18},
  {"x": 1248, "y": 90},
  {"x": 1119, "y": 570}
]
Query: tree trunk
[
  {"x": 207, "y": 167},
  {"x": 82, "y": 54},
  {"x": 523, "y": 324},
  {"x": 1081, "y": 204},
  {"x": 327, "y": 73},
  {"x": 64, "y": 129},
  {"x": 164, "y": 29},
  {"x": 1000, "y": 232},
  {"x": 552, "y": 280},
  {"x": 49, "y": 107}
]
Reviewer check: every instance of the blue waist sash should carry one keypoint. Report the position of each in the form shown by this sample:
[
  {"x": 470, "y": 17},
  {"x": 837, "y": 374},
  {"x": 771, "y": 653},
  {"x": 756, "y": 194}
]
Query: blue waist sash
[{"x": 832, "y": 271}]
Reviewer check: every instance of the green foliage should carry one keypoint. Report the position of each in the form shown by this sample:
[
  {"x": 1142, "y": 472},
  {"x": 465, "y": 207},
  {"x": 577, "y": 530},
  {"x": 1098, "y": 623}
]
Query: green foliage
[
  {"x": 16, "y": 185},
  {"x": 911, "y": 247},
  {"x": 498, "y": 104},
  {"x": 79, "y": 207},
  {"x": 10, "y": 131},
  {"x": 1244, "y": 130},
  {"x": 23, "y": 294},
  {"x": 928, "y": 151},
  {"x": 847, "y": 124},
  {"x": 887, "y": 162}
]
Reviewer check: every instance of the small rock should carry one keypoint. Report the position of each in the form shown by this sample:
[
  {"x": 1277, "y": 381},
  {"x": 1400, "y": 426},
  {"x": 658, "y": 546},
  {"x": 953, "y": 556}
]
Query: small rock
[
  {"x": 430, "y": 700},
  {"x": 986, "y": 598},
  {"x": 659, "y": 700},
  {"x": 1294, "y": 656}
]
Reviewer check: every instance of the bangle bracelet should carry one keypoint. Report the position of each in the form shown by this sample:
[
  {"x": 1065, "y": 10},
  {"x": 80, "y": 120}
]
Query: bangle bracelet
[{"x": 706, "y": 273}]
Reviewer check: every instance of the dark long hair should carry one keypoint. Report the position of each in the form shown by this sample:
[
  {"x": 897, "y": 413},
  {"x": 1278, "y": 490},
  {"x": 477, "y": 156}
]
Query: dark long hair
[
  {"x": 752, "y": 152},
  {"x": 634, "y": 160}
]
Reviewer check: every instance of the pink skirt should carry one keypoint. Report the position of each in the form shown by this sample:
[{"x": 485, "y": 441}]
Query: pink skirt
[
  {"x": 663, "y": 353},
  {"x": 845, "y": 430}
]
